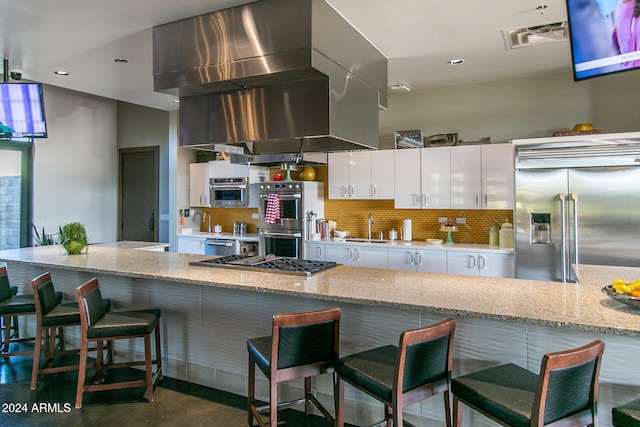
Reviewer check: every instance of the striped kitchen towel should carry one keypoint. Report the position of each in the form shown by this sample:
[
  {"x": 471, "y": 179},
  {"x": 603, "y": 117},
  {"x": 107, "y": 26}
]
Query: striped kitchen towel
[{"x": 272, "y": 212}]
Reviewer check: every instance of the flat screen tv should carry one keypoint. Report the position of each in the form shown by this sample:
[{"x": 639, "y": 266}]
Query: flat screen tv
[
  {"x": 605, "y": 36},
  {"x": 22, "y": 111}
]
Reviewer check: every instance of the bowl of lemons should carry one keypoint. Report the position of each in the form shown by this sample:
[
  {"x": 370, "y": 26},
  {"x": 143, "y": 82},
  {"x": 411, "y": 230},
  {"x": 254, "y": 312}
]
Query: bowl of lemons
[{"x": 624, "y": 291}]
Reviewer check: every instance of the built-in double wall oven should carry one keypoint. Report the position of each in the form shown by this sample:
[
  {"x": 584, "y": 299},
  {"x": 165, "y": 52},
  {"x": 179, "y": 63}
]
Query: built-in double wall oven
[{"x": 282, "y": 206}]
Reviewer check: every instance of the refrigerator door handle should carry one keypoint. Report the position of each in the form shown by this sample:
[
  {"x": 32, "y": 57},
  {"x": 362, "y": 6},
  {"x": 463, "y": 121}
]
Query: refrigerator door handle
[
  {"x": 563, "y": 237},
  {"x": 574, "y": 198}
]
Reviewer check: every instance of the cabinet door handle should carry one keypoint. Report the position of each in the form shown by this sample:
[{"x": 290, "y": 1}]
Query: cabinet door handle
[
  {"x": 373, "y": 190},
  {"x": 357, "y": 254},
  {"x": 482, "y": 262},
  {"x": 418, "y": 258},
  {"x": 416, "y": 200},
  {"x": 424, "y": 200},
  {"x": 319, "y": 251},
  {"x": 486, "y": 200},
  {"x": 472, "y": 262},
  {"x": 344, "y": 191},
  {"x": 477, "y": 200},
  {"x": 410, "y": 258},
  {"x": 351, "y": 191},
  {"x": 350, "y": 255}
]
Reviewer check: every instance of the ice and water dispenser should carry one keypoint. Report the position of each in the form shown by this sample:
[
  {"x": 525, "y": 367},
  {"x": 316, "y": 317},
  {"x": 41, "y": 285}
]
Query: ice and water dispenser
[{"x": 540, "y": 228}]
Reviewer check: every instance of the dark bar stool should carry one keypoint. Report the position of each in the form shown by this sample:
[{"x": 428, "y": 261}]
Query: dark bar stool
[
  {"x": 627, "y": 415},
  {"x": 12, "y": 306},
  {"x": 52, "y": 316},
  {"x": 565, "y": 393},
  {"x": 98, "y": 325},
  {"x": 418, "y": 368},
  {"x": 301, "y": 345}
]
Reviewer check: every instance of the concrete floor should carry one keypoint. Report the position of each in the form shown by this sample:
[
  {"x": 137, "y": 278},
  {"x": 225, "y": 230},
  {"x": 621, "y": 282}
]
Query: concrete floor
[{"x": 176, "y": 403}]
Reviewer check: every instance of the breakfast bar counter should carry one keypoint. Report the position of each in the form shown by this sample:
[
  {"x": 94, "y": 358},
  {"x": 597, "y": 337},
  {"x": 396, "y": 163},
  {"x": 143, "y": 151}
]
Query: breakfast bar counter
[{"x": 209, "y": 313}]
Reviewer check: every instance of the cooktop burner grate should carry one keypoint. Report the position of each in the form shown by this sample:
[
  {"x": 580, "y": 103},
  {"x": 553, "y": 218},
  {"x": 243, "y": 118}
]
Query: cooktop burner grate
[{"x": 268, "y": 263}]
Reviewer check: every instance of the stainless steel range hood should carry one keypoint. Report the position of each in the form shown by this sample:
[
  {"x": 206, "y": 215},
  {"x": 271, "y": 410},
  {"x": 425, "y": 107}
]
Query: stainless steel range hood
[{"x": 272, "y": 76}]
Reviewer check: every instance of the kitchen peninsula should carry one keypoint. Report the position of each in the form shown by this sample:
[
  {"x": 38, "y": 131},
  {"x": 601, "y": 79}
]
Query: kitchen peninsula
[{"x": 209, "y": 313}]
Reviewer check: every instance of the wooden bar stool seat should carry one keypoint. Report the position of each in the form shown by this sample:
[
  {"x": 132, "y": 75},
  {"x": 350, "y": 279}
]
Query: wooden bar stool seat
[
  {"x": 301, "y": 345},
  {"x": 98, "y": 326},
  {"x": 53, "y": 316},
  {"x": 418, "y": 368},
  {"x": 564, "y": 393}
]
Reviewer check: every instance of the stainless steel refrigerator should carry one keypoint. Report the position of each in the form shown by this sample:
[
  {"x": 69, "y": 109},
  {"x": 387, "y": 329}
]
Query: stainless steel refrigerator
[{"x": 577, "y": 202}]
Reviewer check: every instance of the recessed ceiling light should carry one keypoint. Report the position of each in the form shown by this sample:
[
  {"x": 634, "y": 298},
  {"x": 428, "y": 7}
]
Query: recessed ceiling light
[
  {"x": 455, "y": 61},
  {"x": 121, "y": 61},
  {"x": 61, "y": 72}
]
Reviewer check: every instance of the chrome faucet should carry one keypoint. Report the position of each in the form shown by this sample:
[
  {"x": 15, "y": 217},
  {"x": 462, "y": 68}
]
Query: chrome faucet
[
  {"x": 369, "y": 224},
  {"x": 208, "y": 216}
]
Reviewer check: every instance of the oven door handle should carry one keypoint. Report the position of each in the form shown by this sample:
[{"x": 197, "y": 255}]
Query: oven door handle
[
  {"x": 266, "y": 233},
  {"x": 219, "y": 242},
  {"x": 283, "y": 196},
  {"x": 228, "y": 187}
]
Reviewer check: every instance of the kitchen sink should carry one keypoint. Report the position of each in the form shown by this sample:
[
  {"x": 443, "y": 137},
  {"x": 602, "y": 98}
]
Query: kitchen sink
[{"x": 366, "y": 240}]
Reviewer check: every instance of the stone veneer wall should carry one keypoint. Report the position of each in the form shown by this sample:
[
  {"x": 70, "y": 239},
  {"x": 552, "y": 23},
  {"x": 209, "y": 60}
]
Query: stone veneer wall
[
  {"x": 352, "y": 215},
  {"x": 9, "y": 212}
]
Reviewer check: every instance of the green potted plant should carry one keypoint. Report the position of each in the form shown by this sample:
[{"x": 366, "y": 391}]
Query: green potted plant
[{"x": 73, "y": 238}]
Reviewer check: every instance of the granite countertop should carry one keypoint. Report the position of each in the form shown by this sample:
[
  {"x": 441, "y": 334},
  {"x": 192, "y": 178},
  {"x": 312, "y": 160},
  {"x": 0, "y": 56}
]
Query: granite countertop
[
  {"x": 575, "y": 306},
  {"x": 129, "y": 244}
]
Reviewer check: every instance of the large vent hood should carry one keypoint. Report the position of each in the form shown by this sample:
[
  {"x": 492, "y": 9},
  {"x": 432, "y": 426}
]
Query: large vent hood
[{"x": 272, "y": 76}]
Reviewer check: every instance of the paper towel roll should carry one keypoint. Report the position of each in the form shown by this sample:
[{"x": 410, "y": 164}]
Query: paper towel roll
[{"x": 406, "y": 230}]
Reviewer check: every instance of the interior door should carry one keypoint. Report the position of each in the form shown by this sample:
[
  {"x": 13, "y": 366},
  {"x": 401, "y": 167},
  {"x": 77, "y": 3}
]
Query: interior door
[
  {"x": 139, "y": 194},
  {"x": 15, "y": 196}
]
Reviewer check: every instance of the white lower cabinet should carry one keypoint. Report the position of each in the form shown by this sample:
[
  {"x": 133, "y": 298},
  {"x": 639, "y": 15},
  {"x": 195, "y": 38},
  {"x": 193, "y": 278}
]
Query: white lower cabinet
[
  {"x": 314, "y": 251},
  {"x": 418, "y": 260},
  {"x": 480, "y": 264},
  {"x": 191, "y": 245},
  {"x": 357, "y": 256}
]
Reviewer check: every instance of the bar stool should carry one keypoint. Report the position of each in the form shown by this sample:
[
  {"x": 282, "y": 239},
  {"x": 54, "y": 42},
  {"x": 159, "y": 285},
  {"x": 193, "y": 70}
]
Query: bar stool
[
  {"x": 564, "y": 393},
  {"x": 418, "y": 368},
  {"x": 52, "y": 316},
  {"x": 98, "y": 325},
  {"x": 627, "y": 415},
  {"x": 12, "y": 306},
  {"x": 301, "y": 345}
]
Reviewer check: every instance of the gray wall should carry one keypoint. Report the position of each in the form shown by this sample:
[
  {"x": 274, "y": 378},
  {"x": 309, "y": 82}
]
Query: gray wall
[
  {"x": 518, "y": 108},
  {"x": 148, "y": 127},
  {"x": 75, "y": 168}
]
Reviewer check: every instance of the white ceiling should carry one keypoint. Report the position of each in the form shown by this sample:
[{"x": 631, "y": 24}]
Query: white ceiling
[{"x": 417, "y": 36}]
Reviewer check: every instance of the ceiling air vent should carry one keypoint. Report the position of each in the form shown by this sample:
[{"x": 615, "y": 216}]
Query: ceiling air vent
[{"x": 536, "y": 35}]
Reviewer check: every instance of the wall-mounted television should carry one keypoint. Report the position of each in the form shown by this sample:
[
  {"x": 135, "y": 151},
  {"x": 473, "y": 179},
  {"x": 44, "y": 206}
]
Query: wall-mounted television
[
  {"x": 22, "y": 111},
  {"x": 605, "y": 36}
]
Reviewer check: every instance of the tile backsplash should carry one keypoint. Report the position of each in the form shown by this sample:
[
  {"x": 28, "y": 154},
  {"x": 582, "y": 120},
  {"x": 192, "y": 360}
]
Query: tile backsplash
[{"x": 352, "y": 215}]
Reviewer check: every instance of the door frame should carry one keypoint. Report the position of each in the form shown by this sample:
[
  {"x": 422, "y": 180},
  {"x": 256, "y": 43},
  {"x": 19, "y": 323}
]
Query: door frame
[
  {"x": 156, "y": 190},
  {"x": 26, "y": 190}
]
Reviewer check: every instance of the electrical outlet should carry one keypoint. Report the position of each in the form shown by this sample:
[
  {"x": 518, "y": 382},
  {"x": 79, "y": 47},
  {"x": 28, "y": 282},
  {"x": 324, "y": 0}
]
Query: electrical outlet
[
  {"x": 255, "y": 216},
  {"x": 442, "y": 219},
  {"x": 461, "y": 220},
  {"x": 186, "y": 213}
]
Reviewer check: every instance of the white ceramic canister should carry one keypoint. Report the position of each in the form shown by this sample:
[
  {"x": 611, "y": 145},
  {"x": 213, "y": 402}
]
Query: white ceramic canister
[
  {"x": 393, "y": 234},
  {"x": 406, "y": 230}
]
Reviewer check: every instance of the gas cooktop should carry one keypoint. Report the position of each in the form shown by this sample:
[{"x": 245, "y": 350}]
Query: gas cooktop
[{"x": 285, "y": 265}]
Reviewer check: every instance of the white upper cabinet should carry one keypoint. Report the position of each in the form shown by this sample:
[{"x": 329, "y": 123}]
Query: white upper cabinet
[
  {"x": 460, "y": 177},
  {"x": 466, "y": 177},
  {"x": 361, "y": 175},
  {"x": 422, "y": 178},
  {"x": 497, "y": 176},
  {"x": 199, "y": 185}
]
